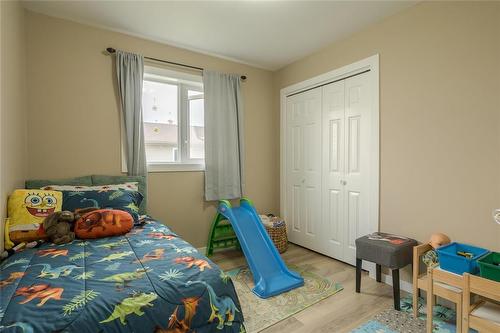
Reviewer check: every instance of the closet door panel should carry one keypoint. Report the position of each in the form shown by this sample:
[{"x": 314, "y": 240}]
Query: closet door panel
[
  {"x": 294, "y": 153},
  {"x": 353, "y": 212},
  {"x": 303, "y": 171},
  {"x": 333, "y": 222},
  {"x": 296, "y": 205},
  {"x": 312, "y": 169},
  {"x": 357, "y": 163}
]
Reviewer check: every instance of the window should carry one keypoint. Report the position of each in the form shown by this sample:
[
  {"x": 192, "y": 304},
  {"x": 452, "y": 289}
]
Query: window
[{"x": 173, "y": 118}]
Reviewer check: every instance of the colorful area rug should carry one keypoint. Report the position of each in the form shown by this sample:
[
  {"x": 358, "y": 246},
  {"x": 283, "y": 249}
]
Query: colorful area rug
[
  {"x": 262, "y": 313},
  {"x": 392, "y": 321}
]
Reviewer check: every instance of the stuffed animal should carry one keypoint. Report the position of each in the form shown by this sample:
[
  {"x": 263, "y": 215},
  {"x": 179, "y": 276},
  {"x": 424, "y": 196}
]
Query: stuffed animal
[
  {"x": 430, "y": 258},
  {"x": 58, "y": 225},
  {"x": 26, "y": 211},
  {"x": 439, "y": 239},
  {"x": 103, "y": 223}
]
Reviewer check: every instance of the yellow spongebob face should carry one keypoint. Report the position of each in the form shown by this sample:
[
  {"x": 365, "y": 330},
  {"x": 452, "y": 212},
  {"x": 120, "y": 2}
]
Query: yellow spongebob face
[
  {"x": 32, "y": 206},
  {"x": 27, "y": 209},
  {"x": 40, "y": 204}
]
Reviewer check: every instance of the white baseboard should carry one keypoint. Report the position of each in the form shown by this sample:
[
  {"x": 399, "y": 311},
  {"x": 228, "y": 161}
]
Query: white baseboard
[
  {"x": 403, "y": 285},
  {"x": 370, "y": 267},
  {"x": 408, "y": 287}
]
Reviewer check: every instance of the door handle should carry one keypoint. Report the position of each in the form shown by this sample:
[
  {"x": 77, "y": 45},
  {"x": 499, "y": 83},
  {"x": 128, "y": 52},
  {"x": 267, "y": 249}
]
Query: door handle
[{"x": 343, "y": 182}]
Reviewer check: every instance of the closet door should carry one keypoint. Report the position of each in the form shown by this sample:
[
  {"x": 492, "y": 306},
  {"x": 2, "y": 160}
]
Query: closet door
[
  {"x": 334, "y": 223},
  {"x": 303, "y": 168},
  {"x": 357, "y": 161}
]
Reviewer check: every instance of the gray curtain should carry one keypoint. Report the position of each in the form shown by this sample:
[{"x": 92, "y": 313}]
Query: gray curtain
[
  {"x": 223, "y": 136},
  {"x": 129, "y": 72}
]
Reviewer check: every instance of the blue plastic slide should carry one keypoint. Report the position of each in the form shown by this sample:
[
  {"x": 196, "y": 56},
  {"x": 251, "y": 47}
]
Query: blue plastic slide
[{"x": 270, "y": 274}]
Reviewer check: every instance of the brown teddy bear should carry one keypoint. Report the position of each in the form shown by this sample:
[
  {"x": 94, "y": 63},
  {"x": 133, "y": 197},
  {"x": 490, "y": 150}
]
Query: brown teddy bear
[{"x": 57, "y": 227}]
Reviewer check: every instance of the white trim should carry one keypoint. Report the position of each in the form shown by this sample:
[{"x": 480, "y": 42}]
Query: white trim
[
  {"x": 403, "y": 285},
  {"x": 372, "y": 64},
  {"x": 174, "y": 167},
  {"x": 155, "y": 71},
  {"x": 185, "y": 129}
]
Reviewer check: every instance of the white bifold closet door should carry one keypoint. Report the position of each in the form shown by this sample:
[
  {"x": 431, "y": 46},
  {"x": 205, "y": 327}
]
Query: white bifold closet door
[
  {"x": 327, "y": 168},
  {"x": 304, "y": 168}
]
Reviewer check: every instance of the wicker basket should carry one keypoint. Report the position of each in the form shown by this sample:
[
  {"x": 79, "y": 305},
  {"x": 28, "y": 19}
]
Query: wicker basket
[{"x": 278, "y": 236}]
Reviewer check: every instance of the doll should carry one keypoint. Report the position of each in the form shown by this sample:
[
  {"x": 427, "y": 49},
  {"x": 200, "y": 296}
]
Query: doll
[
  {"x": 439, "y": 239},
  {"x": 430, "y": 258}
]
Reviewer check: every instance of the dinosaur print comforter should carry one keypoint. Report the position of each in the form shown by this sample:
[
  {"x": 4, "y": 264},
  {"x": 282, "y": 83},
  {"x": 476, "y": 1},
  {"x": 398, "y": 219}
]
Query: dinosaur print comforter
[{"x": 148, "y": 280}]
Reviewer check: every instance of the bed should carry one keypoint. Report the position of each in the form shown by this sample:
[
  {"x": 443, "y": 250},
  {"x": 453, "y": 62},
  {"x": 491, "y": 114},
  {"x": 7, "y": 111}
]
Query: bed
[{"x": 148, "y": 280}]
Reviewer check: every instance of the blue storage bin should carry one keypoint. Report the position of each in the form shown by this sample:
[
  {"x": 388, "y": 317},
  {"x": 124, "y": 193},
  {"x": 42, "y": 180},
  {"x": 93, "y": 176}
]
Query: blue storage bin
[{"x": 449, "y": 260}]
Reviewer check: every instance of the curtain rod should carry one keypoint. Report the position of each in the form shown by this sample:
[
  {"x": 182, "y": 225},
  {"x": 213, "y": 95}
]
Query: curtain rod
[{"x": 112, "y": 50}]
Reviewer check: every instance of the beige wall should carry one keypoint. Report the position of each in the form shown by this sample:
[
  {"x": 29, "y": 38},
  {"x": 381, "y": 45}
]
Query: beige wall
[
  {"x": 74, "y": 119},
  {"x": 13, "y": 152},
  {"x": 439, "y": 116}
]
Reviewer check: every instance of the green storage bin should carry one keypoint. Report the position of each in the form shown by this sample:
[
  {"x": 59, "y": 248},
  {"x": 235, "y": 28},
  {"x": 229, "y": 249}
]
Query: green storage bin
[{"x": 489, "y": 266}]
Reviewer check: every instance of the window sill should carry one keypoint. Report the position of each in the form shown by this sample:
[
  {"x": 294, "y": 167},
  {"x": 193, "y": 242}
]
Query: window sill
[{"x": 175, "y": 167}]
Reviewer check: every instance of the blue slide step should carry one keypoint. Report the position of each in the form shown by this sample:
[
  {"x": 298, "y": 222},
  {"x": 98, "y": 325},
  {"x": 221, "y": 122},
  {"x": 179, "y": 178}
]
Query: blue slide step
[{"x": 270, "y": 274}]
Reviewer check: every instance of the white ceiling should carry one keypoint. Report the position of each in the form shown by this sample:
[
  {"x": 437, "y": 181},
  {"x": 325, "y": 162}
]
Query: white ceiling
[{"x": 266, "y": 34}]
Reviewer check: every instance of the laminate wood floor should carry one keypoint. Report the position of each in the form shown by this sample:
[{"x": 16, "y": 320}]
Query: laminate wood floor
[{"x": 341, "y": 312}]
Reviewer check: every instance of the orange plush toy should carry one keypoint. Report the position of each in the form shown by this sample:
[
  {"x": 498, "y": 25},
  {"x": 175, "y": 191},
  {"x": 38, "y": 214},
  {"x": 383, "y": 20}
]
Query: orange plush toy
[{"x": 103, "y": 223}]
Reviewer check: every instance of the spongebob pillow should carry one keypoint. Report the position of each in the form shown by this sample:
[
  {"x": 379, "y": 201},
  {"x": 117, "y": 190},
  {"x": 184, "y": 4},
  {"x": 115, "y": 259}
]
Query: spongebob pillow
[{"x": 26, "y": 210}]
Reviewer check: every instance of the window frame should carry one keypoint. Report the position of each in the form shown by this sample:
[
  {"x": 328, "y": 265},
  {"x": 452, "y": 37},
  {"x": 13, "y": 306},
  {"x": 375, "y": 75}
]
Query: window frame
[
  {"x": 184, "y": 82},
  {"x": 185, "y": 123}
]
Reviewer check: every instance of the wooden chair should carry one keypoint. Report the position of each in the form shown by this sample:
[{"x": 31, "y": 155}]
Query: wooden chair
[
  {"x": 420, "y": 282},
  {"x": 483, "y": 315},
  {"x": 449, "y": 286}
]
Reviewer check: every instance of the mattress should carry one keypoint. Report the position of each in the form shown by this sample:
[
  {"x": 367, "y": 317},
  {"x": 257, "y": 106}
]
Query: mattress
[{"x": 149, "y": 280}]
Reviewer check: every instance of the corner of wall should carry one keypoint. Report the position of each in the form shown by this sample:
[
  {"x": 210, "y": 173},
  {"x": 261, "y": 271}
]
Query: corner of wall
[{"x": 13, "y": 108}]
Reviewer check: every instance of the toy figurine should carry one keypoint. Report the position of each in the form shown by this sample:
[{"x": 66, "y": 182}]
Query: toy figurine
[{"x": 7, "y": 253}]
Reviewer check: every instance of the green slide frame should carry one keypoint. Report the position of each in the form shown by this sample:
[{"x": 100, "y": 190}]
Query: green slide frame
[{"x": 221, "y": 235}]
